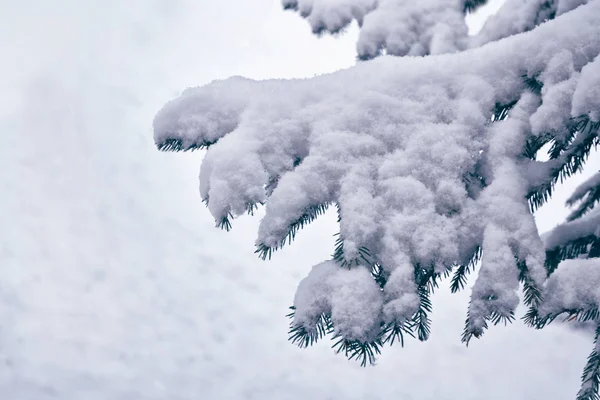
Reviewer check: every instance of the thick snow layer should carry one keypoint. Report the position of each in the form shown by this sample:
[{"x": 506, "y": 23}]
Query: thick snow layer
[
  {"x": 516, "y": 16},
  {"x": 574, "y": 285},
  {"x": 586, "y": 99},
  {"x": 564, "y": 233},
  {"x": 400, "y": 27},
  {"x": 397, "y": 137},
  {"x": 582, "y": 190},
  {"x": 114, "y": 283}
]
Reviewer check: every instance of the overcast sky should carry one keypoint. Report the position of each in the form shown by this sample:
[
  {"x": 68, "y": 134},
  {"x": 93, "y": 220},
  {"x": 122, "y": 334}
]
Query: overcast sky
[{"x": 114, "y": 283}]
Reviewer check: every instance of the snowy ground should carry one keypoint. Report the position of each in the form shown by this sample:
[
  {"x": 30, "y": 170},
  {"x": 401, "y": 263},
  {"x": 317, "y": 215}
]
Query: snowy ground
[{"x": 114, "y": 283}]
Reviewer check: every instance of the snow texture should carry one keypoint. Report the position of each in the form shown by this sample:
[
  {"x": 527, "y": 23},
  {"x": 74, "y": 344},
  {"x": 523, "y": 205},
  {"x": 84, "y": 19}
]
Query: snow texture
[
  {"x": 582, "y": 190},
  {"x": 516, "y": 16},
  {"x": 564, "y": 233},
  {"x": 509, "y": 231},
  {"x": 586, "y": 99},
  {"x": 399, "y": 27},
  {"x": 401, "y": 146},
  {"x": 574, "y": 285},
  {"x": 113, "y": 283}
]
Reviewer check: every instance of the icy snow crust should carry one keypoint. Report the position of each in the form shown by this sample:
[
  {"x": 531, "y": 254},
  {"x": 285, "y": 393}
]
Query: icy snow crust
[{"x": 402, "y": 146}]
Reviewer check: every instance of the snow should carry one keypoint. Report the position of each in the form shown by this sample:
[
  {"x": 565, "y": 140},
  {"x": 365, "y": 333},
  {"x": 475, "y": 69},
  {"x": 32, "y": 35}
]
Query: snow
[
  {"x": 510, "y": 230},
  {"x": 401, "y": 28},
  {"x": 574, "y": 285},
  {"x": 515, "y": 16},
  {"x": 582, "y": 190},
  {"x": 400, "y": 296},
  {"x": 356, "y": 302},
  {"x": 587, "y": 225},
  {"x": 413, "y": 131},
  {"x": 114, "y": 283},
  {"x": 586, "y": 97}
]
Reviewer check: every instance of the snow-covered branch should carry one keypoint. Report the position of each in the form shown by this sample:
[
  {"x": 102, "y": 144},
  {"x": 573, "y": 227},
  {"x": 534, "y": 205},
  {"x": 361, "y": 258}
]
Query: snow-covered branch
[
  {"x": 400, "y": 28},
  {"x": 428, "y": 159}
]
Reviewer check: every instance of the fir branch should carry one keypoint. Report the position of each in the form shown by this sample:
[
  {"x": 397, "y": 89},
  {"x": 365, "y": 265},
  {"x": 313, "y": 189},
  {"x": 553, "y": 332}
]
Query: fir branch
[
  {"x": 494, "y": 316},
  {"x": 535, "y": 320},
  {"x": 379, "y": 275},
  {"x": 540, "y": 195},
  {"x": 576, "y": 155},
  {"x": 251, "y": 208},
  {"x": 433, "y": 282},
  {"x": 533, "y": 295},
  {"x": 590, "y": 378},
  {"x": 302, "y": 337},
  {"x": 534, "y": 144},
  {"x": 421, "y": 320},
  {"x": 364, "y": 255},
  {"x": 501, "y": 111},
  {"x": 532, "y": 319},
  {"x": 365, "y": 352},
  {"x": 595, "y": 249},
  {"x": 573, "y": 249},
  {"x": 425, "y": 280},
  {"x": 497, "y": 318},
  {"x": 309, "y": 215},
  {"x": 173, "y": 144},
  {"x": 394, "y": 332},
  {"x": 470, "y": 331},
  {"x": 560, "y": 145},
  {"x": 567, "y": 157},
  {"x": 224, "y": 222},
  {"x": 588, "y": 202},
  {"x": 470, "y": 6},
  {"x": 533, "y": 83},
  {"x": 459, "y": 279},
  {"x": 364, "y": 258}
]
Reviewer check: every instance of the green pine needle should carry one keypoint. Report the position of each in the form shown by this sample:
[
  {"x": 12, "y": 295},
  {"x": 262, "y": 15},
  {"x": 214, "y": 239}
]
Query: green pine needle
[
  {"x": 590, "y": 378},
  {"x": 174, "y": 144},
  {"x": 309, "y": 215},
  {"x": 459, "y": 279},
  {"x": 364, "y": 352}
]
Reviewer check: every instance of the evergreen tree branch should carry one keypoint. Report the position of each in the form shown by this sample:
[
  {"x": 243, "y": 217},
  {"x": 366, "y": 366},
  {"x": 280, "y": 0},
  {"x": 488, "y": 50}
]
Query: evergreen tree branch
[
  {"x": 364, "y": 352},
  {"x": 426, "y": 280},
  {"x": 567, "y": 157},
  {"x": 588, "y": 194},
  {"x": 573, "y": 249},
  {"x": 303, "y": 337},
  {"x": 176, "y": 144},
  {"x": 590, "y": 378},
  {"x": 459, "y": 278},
  {"x": 533, "y": 295},
  {"x": 309, "y": 215},
  {"x": 472, "y": 5}
]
